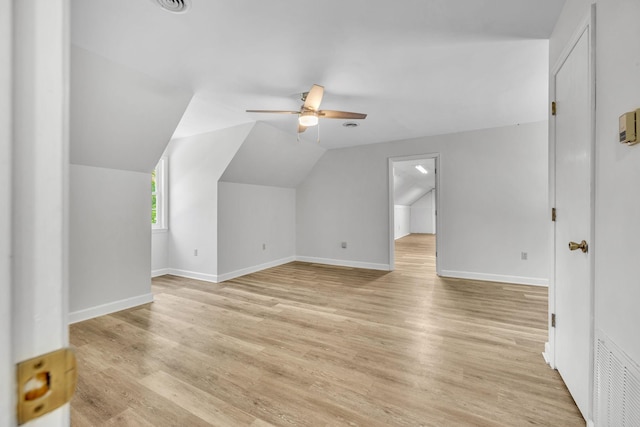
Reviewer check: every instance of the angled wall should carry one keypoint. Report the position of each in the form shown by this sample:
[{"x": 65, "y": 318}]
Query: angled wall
[
  {"x": 196, "y": 164},
  {"x": 272, "y": 158},
  {"x": 120, "y": 122}
]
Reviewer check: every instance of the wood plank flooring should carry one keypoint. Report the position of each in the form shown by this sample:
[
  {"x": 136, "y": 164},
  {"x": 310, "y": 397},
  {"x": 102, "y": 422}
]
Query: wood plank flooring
[{"x": 313, "y": 345}]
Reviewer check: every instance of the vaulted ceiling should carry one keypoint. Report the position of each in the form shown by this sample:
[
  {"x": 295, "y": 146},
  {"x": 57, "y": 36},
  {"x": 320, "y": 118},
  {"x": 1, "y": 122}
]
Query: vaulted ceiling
[{"x": 416, "y": 67}]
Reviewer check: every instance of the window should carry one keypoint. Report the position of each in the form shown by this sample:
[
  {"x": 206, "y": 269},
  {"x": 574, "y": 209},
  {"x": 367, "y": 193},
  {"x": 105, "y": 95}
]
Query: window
[{"x": 159, "y": 196}]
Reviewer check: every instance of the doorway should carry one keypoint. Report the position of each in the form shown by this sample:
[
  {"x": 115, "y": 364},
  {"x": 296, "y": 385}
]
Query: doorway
[{"x": 413, "y": 199}]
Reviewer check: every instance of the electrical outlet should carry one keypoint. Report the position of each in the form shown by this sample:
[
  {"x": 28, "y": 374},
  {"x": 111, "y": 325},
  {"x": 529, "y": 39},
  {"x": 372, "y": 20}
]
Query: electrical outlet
[
  {"x": 344, "y": 245},
  {"x": 523, "y": 256},
  {"x": 195, "y": 252}
]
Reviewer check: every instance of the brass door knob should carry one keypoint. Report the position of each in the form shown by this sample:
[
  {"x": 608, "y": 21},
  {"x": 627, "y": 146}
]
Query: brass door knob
[{"x": 582, "y": 246}]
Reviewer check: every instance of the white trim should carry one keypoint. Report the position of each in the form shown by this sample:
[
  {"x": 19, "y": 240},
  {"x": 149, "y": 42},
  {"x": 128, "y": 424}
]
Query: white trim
[
  {"x": 160, "y": 272},
  {"x": 112, "y": 307},
  {"x": 517, "y": 280},
  {"x": 400, "y": 237},
  {"x": 392, "y": 256},
  {"x": 192, "y": 275},
  {"x": 344, "y": 263},
  {"x": 244, "y": 271}
]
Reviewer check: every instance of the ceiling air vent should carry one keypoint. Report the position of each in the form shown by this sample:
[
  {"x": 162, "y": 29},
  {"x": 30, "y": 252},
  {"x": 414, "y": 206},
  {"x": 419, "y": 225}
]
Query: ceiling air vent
[{"x": 174, "y": 6}]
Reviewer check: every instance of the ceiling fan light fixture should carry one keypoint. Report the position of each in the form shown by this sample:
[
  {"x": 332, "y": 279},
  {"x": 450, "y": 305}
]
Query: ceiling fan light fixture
[{"x": 308, "y": 119}]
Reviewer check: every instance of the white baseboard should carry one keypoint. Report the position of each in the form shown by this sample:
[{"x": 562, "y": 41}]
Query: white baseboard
[
  {"x": 400, "y": 237},
  {"x": 160, "y": 272},
  {"x": 344, "y": 263},
  {"x": 112, "y": 307},
  {"x": 244, "y": 271},
  {"x": 519, "y": 280},
  {"x": 193, "y": 275}
]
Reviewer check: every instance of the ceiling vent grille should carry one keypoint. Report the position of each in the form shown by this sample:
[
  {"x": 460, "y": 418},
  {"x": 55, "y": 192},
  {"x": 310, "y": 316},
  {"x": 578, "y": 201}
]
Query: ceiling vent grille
[{"x": 174, "y": 6}]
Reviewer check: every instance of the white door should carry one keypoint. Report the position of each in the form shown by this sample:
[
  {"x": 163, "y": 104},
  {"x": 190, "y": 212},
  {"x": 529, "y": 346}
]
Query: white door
[
  {"x": 573, "y": 202},
  {"x": 33, "y": 191}
]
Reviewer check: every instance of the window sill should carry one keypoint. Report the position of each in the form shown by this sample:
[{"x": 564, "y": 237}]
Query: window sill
[{"x": 159, "y": 230}]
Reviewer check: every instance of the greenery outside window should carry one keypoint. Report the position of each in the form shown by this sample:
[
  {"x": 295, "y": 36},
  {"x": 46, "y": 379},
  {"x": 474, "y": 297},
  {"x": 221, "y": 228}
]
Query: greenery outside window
[{"x": 159, "y": 196}]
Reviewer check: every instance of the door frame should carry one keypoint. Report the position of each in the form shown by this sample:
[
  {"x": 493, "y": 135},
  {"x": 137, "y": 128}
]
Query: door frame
[
  {"x": 6, "y": 366},
  {"x": 34, "y": 138},
  {"x": 587, "y": 25},
  {"x": 392, "y": 249}
]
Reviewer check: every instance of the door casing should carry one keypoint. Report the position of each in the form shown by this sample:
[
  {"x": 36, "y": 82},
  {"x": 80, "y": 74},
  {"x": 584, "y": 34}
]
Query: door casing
[{"x": 436, "y": 159}]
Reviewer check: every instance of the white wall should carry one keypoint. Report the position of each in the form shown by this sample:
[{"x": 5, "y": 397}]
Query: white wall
[
  {"x": 159, "y": 252},
  {"x": 272, "y": 157},
  {"x": 110, "y": 240},
  {"x": 422, "y": 214},
  {"x": 402, "y": 221},
  {"x": 120, "y": 118},
  {"x": 196, "y": 164},
  {"x": 617, "y": 269},
  {"x": 121, "y": 121},
  {"x": 489, "y": 213},
  {"x": 248, "y": 217}
]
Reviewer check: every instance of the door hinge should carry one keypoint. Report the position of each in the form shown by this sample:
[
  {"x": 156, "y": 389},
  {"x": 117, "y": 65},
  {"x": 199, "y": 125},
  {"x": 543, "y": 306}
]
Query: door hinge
[
  {"x": 553, "y": 214},
  {"x": 553, "y": 320},
  {"x": 553, "y": 108}
]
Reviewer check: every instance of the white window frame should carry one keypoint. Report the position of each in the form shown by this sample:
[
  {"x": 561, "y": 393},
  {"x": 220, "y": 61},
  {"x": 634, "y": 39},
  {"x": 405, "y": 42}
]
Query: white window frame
[{"x": 162, "y": 196}]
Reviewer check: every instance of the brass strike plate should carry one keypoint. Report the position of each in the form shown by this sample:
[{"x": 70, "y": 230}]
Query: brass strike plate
[{"x": 45, "y": 383}]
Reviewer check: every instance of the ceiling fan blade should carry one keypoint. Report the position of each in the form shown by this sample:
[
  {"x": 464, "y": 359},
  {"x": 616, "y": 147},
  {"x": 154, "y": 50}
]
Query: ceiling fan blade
[
  {"x": 273, "y": 111},
  {"x": 314, "y": 98},
  {"x": 332, "y": 114},
  {"x": 301, "y": 128}
]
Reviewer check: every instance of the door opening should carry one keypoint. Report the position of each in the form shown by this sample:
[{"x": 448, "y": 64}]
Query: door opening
[{"x": 413, "y": 199}]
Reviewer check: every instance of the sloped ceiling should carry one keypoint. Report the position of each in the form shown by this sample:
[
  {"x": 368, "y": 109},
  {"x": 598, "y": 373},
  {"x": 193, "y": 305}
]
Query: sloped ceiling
[
  {"x": 409, "y": 184},
  {"x": 120, "y": 118},
  {"x": 269, "y": 156},
  {"x": 416, "y": 67}
]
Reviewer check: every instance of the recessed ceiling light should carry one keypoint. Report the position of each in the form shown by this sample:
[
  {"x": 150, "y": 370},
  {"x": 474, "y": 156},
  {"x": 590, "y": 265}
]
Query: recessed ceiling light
[
  {"x": 350, "y": 125},
  {"x": 421, "y": 169},
  {"x": 174, "y": 6}
]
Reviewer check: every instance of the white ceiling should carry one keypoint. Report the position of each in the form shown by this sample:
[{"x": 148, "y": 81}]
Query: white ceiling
[
  {"x": 416, "y": 67},
  {"x": 409, "y": 184}
]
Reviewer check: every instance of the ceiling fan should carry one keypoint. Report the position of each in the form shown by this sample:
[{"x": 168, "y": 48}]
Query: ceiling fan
[{"x": 310, "y": 110}]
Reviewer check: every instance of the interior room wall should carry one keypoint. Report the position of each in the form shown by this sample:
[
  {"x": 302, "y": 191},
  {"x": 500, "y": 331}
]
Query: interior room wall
[
  {"x": 402, "y": 221},
  {"x": 159, "y": 253},
  {"x": 121, "y": 121},
  {"x": 256, "y": 228},
  {"x": 109, "y": 242},
  {"x": 617, "y": 211},
  {"x": 489, "y": 213},
  {"x": 618, "y": 91},
  {"x": 196, "y": 164},
  {"x": 422, "y": 214}
]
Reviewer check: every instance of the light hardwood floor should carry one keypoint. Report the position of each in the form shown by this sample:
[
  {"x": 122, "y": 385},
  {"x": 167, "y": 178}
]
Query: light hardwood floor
[{"x": 312, "y": 345}]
